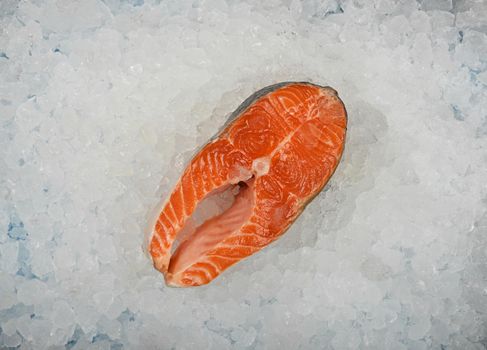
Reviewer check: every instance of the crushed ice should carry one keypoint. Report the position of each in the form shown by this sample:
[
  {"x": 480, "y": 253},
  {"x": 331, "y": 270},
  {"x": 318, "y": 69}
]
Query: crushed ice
[{"x": 102, "y": 103}]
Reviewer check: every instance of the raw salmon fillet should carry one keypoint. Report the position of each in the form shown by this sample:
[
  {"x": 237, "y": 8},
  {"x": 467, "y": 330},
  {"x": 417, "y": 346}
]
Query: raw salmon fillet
[{"x": 275, "y": 154}]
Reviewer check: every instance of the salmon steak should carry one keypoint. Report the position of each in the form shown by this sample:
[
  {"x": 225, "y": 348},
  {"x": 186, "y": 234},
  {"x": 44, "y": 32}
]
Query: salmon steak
[{"x": 250, "y": 182}]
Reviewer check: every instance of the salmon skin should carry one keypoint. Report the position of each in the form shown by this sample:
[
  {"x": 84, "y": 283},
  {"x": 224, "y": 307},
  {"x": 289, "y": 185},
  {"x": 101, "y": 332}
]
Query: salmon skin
[{"x": 273, "y": 156}]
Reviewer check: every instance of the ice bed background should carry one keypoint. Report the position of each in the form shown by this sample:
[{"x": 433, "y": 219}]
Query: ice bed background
[{"x": 103, "y": 102}]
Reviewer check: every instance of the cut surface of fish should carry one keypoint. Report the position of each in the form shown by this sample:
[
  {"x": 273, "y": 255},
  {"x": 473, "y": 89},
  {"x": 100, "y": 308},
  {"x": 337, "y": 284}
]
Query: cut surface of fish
[{"x": 244, "y": 188}]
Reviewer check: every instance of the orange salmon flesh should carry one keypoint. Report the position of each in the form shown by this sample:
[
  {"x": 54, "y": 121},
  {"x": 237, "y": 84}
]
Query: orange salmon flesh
[{"x": 249, "y": 183}]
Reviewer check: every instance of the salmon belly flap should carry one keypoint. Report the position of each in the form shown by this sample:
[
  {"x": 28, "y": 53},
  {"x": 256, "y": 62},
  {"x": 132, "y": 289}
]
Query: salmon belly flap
[{"x": 243, "y": 189}]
